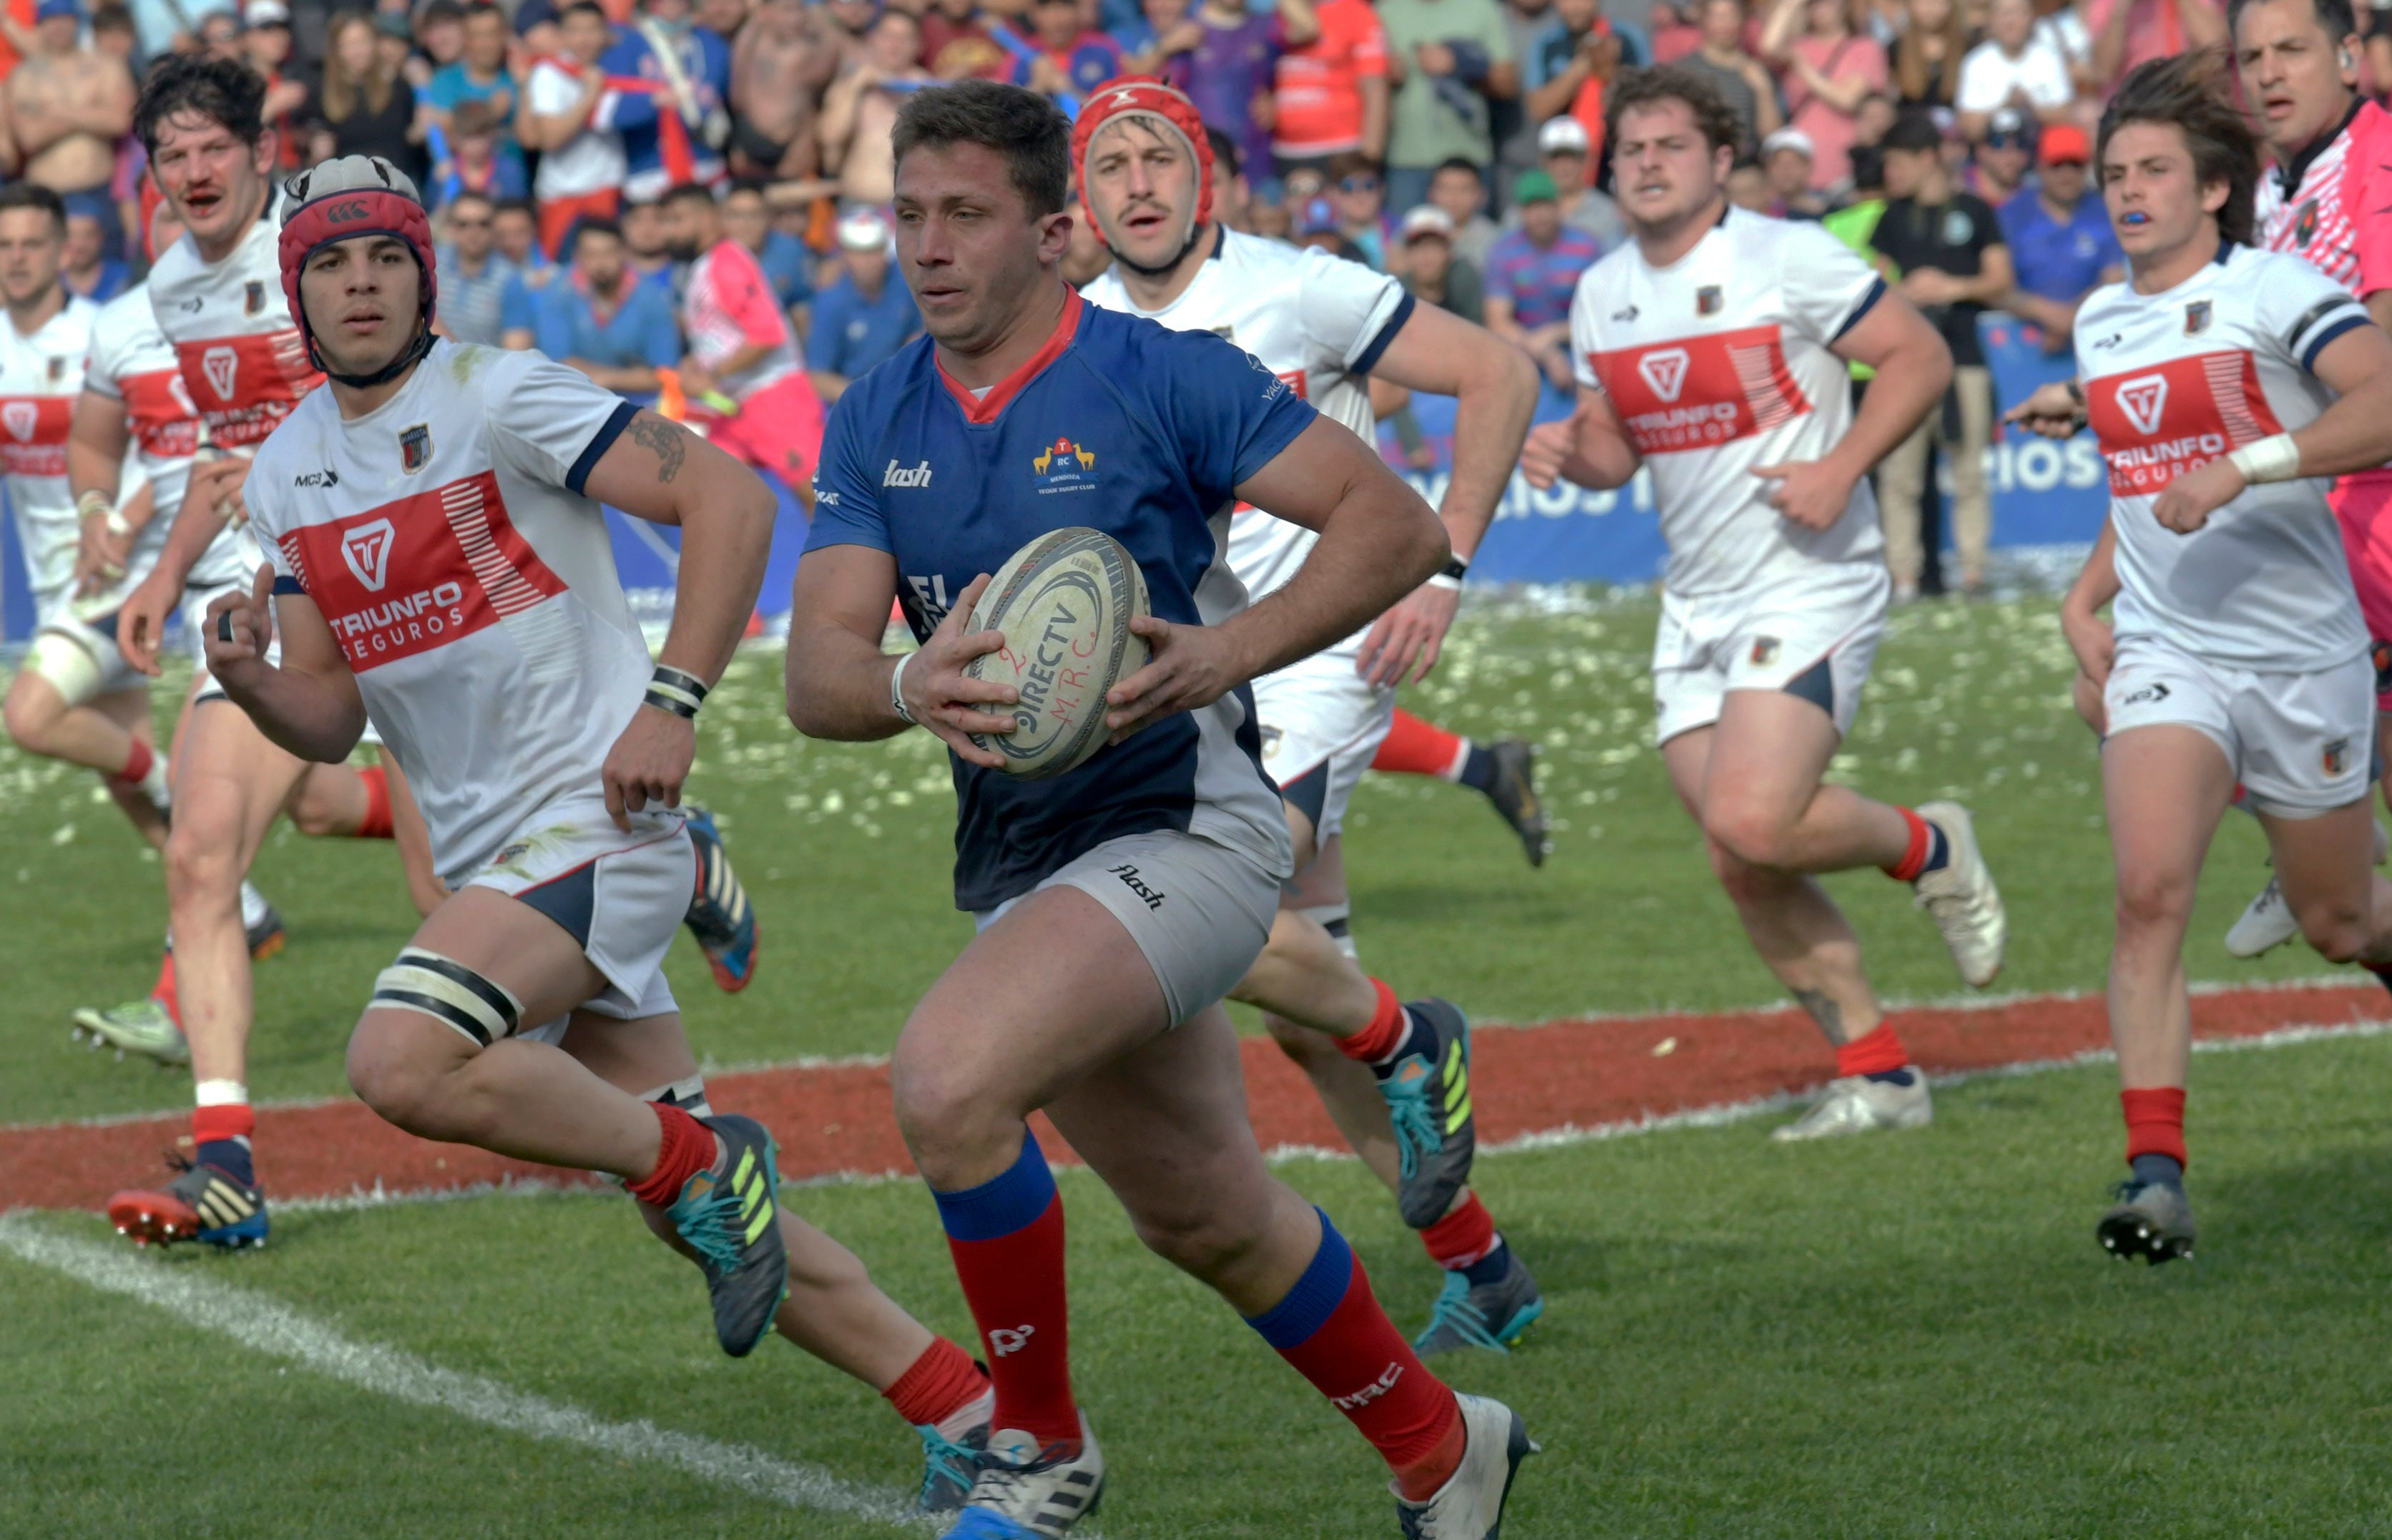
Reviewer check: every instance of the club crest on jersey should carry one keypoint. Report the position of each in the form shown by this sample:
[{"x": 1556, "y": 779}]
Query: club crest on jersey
[
  {"x": 2336, "y": 757},
  {"x": 20, "y": 418},
  {"x": 253, "y": 301},
  {"x": 1707, "y": 299},
  {"x": 1764, "y": 651},
  {"x": 57, "y": 370},
  {"x": 222, "y": 366},
  {"x": 2196, "y": 318},
  {"x": 1664, "y": 369},
  {"x": 1063, "y": 466},
  {"x": 2305, "y": 224},
  {"x": 367, "y": 550},
  {"x": 2144, "y": 400},
  {"x": 415, "y": 448}
]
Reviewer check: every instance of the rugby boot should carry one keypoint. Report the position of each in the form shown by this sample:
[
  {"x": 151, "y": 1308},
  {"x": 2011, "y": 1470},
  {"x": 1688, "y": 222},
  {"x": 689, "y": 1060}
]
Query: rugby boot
[
  {"x": 1427, "y": 1092},
  {"x": 1026, "y": 1492},
  {"x": 2267, "y": 922},
  {"x": 1856, "y": 1104},
  {"x": 720, "y": 915},
  {"x": 1514, "y": 792},
  {"x": 1470, "y": 1504},
  {"x": 203, "y": 1203},
  {"x": 2150, "y": 1220},
  {"x": 266, "y": 933},
  {"x": 1492, "y": 1315},
  {"x": 1960, "y": 898},
  {"x": 145, "y": 1028},
  {"x": 729, "y": 1215},
  {"x": 949, "y": 1467}
]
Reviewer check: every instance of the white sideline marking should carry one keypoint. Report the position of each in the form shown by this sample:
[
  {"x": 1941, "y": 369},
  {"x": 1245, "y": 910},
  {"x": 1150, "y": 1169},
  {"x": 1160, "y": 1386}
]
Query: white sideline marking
[{"x": 267, "y": 1326}]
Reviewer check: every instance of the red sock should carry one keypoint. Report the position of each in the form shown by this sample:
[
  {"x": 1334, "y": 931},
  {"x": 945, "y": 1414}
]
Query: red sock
[
  {"x": 211, "y": 1123},
  {"x": 376, "y": 824},
  {"x": 1331, "y": 1328},
  {"x": 1872, "y": 1054},
  {"x": 2154, "y": 1123},
  {"x": 1006, "y": 1239},
  {"x": 1914, "y": 855},
  {"x": 1387, "y": 1030},
  {"x": 942, "y": 1382},
  {"x": 162, "y": 991},
  {"x": 1415, "y": 747},
  {"x": 138, "y": 761},
  {"x": 685, "y": 1149},
  {"x": 1462, "y": 1237}
]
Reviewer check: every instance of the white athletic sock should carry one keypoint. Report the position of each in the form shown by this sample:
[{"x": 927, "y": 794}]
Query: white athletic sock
[
  {"x": 968, "y": 1416},
  {"x": 153, "y": 785},
  {"x": 252, "y": 906}
]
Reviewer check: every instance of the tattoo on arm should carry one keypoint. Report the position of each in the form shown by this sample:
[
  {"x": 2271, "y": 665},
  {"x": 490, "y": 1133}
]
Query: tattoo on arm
[
  {"x": 663, "y": 440},
  {"x": 1825, "y": 1012}
]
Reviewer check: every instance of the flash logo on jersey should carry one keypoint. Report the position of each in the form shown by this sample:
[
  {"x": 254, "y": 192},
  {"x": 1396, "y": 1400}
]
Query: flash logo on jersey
[
  {"x": 1665, "y": 370},
  {"x": 415, "y": 448},
  {"x": 221, "y": 365},
  {"x": 367, "y": 550}
]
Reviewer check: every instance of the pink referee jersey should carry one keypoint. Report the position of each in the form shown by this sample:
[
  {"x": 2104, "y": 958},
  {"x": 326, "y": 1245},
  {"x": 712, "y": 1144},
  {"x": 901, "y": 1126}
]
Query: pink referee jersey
[
  {"x": 2332, "y": 207},
  {"x": 729, "y": 307}
]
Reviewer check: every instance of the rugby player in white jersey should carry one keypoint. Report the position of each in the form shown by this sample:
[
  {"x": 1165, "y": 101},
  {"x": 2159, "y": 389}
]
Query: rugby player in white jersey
[
  {"x": 1395, "y": 1077},
  {"x": 2227, "y": 386},
  {"x": 439, "y": 564},
  {"x": 1711, "y": 351}
]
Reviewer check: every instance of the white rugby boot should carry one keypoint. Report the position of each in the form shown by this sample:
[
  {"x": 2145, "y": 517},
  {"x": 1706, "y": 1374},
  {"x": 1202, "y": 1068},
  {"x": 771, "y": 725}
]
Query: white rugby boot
[
  {"x": 1960, "y": 898},
  {"x": 1856, "y": 1104},
  {"x": 1470, "y": 1504},
  {"x": 1024, "y": 1492},
  {"x": 2267, "y": 920}
]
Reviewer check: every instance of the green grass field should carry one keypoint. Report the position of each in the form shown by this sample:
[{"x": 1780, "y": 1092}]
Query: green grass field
[{"x": 1909, "y": 1336}]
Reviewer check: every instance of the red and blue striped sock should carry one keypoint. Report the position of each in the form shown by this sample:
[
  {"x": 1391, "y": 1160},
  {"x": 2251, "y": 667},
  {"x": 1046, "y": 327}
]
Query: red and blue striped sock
[
  {"x": 1331, "y": 1328},
  {"x": 1006, "y": 1237}
]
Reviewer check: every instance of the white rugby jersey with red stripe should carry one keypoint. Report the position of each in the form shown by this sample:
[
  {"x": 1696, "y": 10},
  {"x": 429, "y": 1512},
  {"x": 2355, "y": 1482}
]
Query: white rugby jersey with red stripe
[
  {"x": 40, "y": 377},
  {"x": 1718, "y": 363},
  {"x": 2177, "y": 379},
  {"x": 242, "y": 358},
  {"x": 468, "y": 579},
  {"x": 130, "y": 362}
]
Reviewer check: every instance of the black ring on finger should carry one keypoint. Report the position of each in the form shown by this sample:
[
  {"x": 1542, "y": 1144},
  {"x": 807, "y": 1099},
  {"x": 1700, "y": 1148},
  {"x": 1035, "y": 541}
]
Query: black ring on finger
[{"x": 224, "y": 627}]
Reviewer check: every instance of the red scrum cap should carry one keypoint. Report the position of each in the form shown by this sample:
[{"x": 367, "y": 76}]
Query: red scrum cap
[
  {"x": 1162, "y": 108},
  {"x": 339, "y": 201}
]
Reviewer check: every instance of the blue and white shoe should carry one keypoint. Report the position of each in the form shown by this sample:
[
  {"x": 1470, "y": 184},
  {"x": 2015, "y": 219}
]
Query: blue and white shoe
[
  {"x": 720, "y": 915},
  {"x": 1470, "y": 1504},
  {"x": 1024, "y": 1492},
  {"x": 1492, "y": 1315},
  {"x": 950, "y": 1466}
]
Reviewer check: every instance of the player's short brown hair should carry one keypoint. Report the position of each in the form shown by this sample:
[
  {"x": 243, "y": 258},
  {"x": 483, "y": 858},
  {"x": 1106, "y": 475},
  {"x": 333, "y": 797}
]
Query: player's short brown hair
[
  {"x": 2194, "y": 93},
  {"x": 1024, "y": 128},
  {"x": 1722, "y": 129}
]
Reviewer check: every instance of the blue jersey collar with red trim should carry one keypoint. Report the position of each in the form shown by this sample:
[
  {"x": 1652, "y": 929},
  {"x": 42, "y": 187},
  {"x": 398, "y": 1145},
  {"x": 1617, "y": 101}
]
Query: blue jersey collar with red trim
[{"x": 983, "y": 409}]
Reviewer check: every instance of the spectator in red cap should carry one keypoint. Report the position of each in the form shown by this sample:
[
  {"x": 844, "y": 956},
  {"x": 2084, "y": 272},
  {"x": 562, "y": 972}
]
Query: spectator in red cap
[{"x": 2062, "y": 244}]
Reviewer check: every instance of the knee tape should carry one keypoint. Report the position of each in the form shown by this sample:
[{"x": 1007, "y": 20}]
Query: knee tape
[
  {"x": 67, "y": 662},
  {"x": 1336, "y": 920},
  {"x": 448, "y": 991}
]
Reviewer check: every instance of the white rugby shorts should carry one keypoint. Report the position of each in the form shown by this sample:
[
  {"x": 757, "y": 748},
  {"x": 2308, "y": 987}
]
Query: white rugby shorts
[
  {"x": 621, "y": 896},
  {"x": 1814, "y": 635},
  {"x": 1199, "y": 911},
  {"x": 2301, "y": 745},
  {"x": 1321, "y": 725}
]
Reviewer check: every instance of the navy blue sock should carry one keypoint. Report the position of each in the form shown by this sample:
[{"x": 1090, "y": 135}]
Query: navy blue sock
[
  {"x": 231, "y": 1157},
  {"x": 1492, "y": 1267},
  {"x": 1478, "y": 771},
  {"x": 1414, "y": 1038},
  {"x": 2159, "y": 1168},
  {"x": 1893, "y": 1077},
  {"x": 1939, "y": 851}
]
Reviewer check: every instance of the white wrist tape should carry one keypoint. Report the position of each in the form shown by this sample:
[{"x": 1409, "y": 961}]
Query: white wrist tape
[
  {"x": 897, "y": 690},
  {"x": 2275, "y": 458},
  {"x": 114, "y": 524}
]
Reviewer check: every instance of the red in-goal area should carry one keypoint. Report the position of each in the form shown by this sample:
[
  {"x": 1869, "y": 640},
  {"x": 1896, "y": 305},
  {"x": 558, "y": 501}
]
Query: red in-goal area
[{"x": 835, "y": 1119}]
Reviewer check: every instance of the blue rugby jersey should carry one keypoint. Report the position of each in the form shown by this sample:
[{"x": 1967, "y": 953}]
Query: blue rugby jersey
[{"x": 1117, "y": 424}]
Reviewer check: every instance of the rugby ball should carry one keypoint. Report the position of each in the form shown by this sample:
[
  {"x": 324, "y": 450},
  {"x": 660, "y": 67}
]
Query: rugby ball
[{"x": 1064, "y": 603}]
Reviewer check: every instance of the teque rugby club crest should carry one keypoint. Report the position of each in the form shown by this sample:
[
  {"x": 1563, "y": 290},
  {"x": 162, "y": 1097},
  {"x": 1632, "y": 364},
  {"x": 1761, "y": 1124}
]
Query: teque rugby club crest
[
  {"x": 253, "y": 298},
  {"x": 415, "y": 448}
]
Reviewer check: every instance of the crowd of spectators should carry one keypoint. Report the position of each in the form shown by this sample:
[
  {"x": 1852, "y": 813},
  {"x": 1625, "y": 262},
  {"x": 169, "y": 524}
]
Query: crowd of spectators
[{"x": 1457, "y": 144}]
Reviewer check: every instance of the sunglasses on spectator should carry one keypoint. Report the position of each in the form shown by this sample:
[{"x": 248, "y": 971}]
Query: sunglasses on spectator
[{"x": 1357, "y": 184}]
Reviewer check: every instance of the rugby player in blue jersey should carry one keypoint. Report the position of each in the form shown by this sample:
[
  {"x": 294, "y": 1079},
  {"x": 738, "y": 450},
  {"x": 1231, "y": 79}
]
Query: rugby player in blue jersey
[{"x": 1120, "y": 901}]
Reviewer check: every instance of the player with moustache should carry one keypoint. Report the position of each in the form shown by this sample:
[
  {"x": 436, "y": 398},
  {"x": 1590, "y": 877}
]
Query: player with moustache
[
  {"x": 1120, "y": 901},
  {"x": 1395, "y": 1076},
  {"x": 1711, "y": 353},
  {"x": 2227, "y": 387},
  {"x": 452, "y": 580}
]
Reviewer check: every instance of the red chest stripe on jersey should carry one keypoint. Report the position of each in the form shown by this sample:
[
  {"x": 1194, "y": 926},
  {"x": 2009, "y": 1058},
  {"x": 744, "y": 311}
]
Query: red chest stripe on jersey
[
  {"x": 1701, "y": 390},
  {"x": 245, "y": 385},
  {"x": 33, "y": 435},
  {"x": 2155, "y": 424},
  {"x": 419, "y": 573},
  {"x": 160, "y": 406}
]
